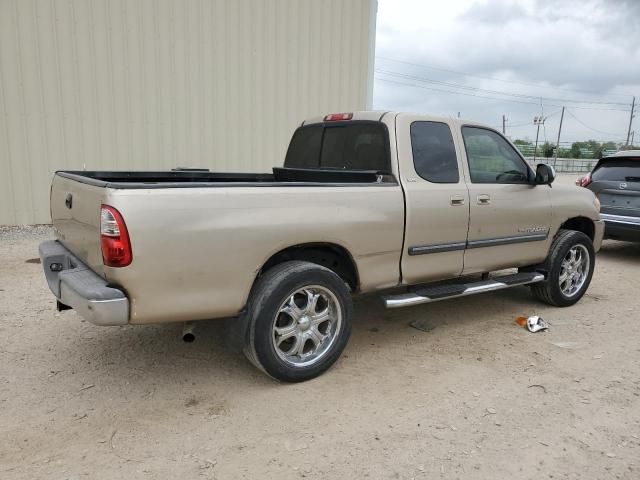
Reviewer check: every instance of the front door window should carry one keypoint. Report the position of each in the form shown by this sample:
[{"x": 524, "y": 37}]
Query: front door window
[{"x": 492, "y": 159}]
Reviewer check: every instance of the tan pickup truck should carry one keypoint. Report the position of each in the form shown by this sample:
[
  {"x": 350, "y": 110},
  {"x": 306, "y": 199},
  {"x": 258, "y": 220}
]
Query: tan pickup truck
[{"x": 416, "y": 207}]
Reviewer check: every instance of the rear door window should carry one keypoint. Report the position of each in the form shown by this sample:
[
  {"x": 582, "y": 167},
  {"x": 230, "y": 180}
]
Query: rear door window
[
  {"x": 434, "y": 154},
  {"x": 617, "y": 171},
  {"x": 344, "y": 146}
]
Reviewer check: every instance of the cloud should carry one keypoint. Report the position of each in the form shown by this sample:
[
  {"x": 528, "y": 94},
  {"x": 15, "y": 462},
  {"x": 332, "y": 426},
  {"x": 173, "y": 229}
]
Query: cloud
[
  {"x": 562, "y": 51},
  {"x": 496, "y": 13}
]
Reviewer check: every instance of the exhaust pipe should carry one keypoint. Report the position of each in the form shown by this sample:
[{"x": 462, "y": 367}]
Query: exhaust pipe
[{"x": 188, "y": 335}]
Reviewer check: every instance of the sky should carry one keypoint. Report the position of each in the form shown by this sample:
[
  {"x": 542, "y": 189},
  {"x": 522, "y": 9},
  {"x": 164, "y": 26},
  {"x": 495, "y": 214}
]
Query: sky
[{"x": 521, "y": 59}]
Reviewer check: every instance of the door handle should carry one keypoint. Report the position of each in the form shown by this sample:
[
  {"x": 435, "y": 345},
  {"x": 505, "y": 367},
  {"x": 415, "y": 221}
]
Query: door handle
[
  {"x": 483, "y": 199},
  {"x": 456, "y": 200}
]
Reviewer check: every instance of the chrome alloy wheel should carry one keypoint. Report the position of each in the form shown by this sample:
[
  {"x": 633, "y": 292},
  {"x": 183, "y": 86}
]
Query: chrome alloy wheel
[
  {"x": 574, "y": 270},
  {"x": 306, "y": 325}
]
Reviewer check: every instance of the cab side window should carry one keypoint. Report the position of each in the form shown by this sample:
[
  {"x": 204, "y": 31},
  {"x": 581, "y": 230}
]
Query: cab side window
[
  {"x": 434, "y": 154},
  {"x": 492, "y": 159}
]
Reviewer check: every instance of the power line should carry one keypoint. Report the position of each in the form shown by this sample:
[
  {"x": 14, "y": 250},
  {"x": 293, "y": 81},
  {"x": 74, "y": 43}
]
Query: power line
[
  {"x": 500, "y": 79},
  {"x": 609, "y": 134},
  {"x": 488, "y": 97},
  {"x": 528, "y": 124},
  {"x": 454, "y": 92},
  {"x": 554, "y": 113},
  {"x": 614, "y": 135},
  {"x": 596, "y": 108},
  {"x": 495, "y": 98},
  {"x": 494, "y": 92}
]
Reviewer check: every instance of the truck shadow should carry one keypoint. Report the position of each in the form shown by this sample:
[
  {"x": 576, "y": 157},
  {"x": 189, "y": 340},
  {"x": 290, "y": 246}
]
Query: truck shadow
[{"x": 155, "y": 357}]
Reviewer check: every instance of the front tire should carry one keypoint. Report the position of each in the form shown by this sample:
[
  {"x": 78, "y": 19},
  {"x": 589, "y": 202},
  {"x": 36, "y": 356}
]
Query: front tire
[
  {"x": 569, "y": 269},
  {"x": 299, "y": 321}
]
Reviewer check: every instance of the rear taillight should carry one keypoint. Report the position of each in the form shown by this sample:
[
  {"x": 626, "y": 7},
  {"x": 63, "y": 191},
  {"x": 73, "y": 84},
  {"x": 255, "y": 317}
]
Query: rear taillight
[
  {"x": 114, "y": 238},
  {"x": 584, "y": 181},
  {"x": 336, "y": 117}
]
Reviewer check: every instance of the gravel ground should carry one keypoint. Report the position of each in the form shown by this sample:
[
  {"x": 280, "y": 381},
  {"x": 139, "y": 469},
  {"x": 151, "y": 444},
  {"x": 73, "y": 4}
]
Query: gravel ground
[{"x": 475, "y": 397}]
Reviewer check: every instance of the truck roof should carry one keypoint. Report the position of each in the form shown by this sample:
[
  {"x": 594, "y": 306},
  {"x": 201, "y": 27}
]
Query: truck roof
[{"x": 376, "y": 116}]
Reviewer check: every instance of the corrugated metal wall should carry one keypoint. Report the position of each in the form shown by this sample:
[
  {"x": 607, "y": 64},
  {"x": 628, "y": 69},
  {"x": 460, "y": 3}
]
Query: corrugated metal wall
[{"x": 155, "y": 84}]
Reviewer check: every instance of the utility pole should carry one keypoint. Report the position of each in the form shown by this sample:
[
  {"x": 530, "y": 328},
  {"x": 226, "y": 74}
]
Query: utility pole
[
  {"x": 504, "y": 122},
  {"x": 633, "y": 106},
  {"x": 537, "y": 121},
  {"x": 558, "y": 141},
  {"x": 633, "y": 134}
]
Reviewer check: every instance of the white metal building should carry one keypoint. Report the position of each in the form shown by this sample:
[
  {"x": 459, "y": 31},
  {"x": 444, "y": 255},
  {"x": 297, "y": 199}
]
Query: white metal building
[{"x": 156, "y": 84}]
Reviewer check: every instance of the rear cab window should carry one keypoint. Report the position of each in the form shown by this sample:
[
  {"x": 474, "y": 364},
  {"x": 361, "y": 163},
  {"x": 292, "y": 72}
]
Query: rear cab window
[{"x": 353, "y": 145}]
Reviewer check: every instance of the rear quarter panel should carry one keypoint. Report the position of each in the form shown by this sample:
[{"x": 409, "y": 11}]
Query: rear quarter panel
[{"x": 197, "y": 251}]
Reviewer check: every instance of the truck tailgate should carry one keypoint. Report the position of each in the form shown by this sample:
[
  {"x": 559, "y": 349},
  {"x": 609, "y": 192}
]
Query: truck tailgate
[{"x": 75, "y": 214}]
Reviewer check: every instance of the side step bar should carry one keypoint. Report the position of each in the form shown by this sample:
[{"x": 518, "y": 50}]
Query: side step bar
[{"x": 443, "y": 292}]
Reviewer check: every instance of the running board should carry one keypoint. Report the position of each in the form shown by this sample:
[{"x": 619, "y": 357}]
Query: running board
[{"x": 443, "y": 292}]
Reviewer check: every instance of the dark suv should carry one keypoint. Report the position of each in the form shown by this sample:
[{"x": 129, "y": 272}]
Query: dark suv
[{"x": 616, "y": 182}]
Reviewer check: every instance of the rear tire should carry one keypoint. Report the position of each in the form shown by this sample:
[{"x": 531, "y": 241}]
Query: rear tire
[
  {"x": 298, "y": 321},
  {"x": 569, "y": 268}
]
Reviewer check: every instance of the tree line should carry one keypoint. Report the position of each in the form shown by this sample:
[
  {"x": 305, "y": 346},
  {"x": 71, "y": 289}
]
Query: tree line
[{"x": 587, "y": 149}]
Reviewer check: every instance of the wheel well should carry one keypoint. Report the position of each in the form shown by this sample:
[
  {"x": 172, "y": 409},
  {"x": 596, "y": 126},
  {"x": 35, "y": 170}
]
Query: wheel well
[
  {"x": 580, "y": 224},
  {"x": 331, "y": 256}
]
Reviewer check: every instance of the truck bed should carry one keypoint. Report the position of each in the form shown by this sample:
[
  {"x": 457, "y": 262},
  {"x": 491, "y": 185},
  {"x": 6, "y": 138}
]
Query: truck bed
[
  {"x": 280, "y": 176},
  {"x": 197, "y": 251}
]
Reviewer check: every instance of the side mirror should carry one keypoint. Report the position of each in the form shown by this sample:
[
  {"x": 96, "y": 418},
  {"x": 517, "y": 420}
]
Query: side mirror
[{"x": 545, "y": 174}]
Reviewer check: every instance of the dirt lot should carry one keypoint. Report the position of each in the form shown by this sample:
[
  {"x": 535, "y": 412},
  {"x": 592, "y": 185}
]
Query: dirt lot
[{"x": 476, "y": 397}]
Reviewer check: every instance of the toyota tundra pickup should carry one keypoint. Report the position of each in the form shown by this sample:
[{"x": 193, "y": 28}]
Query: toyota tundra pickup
[{"x": 416, "y": 207}]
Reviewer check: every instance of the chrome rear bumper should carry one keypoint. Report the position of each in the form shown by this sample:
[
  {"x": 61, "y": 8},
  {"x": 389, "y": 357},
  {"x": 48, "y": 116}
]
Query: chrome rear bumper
[{"x": 77, "y": 286}]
